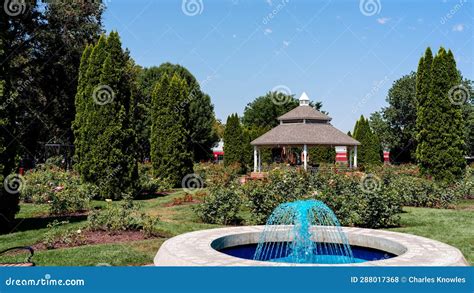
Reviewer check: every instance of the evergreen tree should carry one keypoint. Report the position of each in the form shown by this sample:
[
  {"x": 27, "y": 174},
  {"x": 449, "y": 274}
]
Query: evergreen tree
[
  {"x": 233, "y": 141},
  {"x": 170, "y": 138},
  {"x": 441, "y": 126},
  {"x": 80, "y": 103},
  {"x": 423, "y": 84},
  {"x": 196, "y": 106},
  {"x": 85, "y": 130},
  {"x": 103, "y": 124},
  {"x": 370, "y": 150}
]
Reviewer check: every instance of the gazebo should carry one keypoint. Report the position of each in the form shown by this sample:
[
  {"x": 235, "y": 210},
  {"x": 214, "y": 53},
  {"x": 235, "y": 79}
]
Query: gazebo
[{"x": 302, "y": 127}]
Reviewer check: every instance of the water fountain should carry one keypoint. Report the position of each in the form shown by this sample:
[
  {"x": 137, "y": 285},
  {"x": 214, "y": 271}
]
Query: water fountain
[
  {"x": 304, "y": 233},
  {"x": 313, "y": 235}
]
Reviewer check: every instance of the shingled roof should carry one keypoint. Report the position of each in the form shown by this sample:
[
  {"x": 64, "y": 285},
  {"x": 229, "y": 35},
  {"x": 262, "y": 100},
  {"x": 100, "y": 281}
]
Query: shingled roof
[
  {"x": 300, "y": 134},
  {"x": 304, "y": 112},
  {"x": 304, "y": 125}
]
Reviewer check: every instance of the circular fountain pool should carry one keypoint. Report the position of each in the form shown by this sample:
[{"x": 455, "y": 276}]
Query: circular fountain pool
[
  {"x": 360, "y": 254},
  {"x": 208, "y": 247}
]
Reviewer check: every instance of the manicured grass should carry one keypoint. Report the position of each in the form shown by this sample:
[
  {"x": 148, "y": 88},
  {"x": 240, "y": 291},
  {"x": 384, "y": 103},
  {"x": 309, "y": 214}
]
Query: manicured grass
[
  {"x": 453, "y": 226},
  {"x": 33, "y": 220},
  {"x": 450, "y": 226}
]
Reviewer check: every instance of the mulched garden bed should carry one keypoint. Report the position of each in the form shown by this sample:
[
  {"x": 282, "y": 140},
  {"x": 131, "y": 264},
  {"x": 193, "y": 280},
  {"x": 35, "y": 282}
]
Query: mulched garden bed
[{"x": 99, "y": 237}]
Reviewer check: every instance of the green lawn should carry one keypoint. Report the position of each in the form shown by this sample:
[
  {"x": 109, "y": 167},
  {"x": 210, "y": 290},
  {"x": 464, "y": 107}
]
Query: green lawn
[{"x": 451, "y": 226}]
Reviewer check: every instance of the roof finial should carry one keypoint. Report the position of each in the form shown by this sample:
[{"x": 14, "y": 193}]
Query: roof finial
[{"x": 304, "y": 100}]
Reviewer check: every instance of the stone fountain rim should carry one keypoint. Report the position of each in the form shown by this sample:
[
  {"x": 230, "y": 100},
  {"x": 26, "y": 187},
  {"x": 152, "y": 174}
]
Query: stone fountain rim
[{"x": 197, "y": 248}]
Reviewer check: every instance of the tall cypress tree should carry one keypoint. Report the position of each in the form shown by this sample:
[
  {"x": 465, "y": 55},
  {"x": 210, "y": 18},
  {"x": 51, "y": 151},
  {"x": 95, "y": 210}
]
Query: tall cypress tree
[
  {"x": 170, "y": 139},
  {"x": 80, "y": 102},
  {"x": 441, "y": 149},
  {"x": 85, "y": 131},
  {"x": 233, "y": 141},
  {"x": 369, "y": 151},
  {"x": 197, "y": 106},
  {"x": 457, "y": 149},
  {"x": 423, "y": 84},
  {"x": 104, "y": 136}
]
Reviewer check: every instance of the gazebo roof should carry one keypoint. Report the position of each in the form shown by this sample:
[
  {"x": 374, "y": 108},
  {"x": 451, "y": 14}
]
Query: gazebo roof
[
  {"x": 300, "y": 134},
  {"x": 304, "y": 112},
  {"x": 304, "y": 125}
]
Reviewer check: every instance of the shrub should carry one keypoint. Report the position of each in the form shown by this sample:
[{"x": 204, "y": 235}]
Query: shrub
[
  {"x": 221, "y": 206},
  {"x": 212, "y": 174},
  {"x": 421, "y": 192},
  {"x": 63, "y": 190},
  {"x": 55, "y": 161},
  {"x": 465, "y": 187},
  {"x": 282, "y": 186},
  {"x": 382, "y": 209},
  {"x": 70, "y": 199},
  {"x": 122, "y": 216},
  {"x": 56, "y": 235},
  {"x": 343, "y": 192}
]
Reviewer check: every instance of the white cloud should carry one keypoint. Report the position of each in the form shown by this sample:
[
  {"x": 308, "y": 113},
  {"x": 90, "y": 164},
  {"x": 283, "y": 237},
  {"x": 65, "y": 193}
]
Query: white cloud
[
  {"x": 458, "y": 27},
  {"x": 286, "y": 43},
  {"x": 383, "y": 20},
  {"x": 267, "y": 31}
]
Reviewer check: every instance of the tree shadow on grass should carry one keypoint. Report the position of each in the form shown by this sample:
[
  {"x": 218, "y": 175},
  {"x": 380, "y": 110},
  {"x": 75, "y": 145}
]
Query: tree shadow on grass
[
  {"x": 26, "y": 224},
  {"x": 152, "y": 195}
]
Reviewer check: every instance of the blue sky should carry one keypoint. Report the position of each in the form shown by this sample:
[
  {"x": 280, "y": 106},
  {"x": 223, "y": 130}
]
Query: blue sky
[{"x": 344, "y": 53}]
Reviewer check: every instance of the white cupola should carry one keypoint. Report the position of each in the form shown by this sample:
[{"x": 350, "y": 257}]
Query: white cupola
[{"x": 304, "y": 100}]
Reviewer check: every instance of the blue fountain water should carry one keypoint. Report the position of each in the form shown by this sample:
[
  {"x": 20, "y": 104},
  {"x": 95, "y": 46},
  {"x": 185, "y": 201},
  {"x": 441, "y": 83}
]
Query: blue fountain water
[{"x": 304, "y": 232}]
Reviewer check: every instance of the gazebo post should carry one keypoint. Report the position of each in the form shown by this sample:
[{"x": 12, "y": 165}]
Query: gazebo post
[
  {"x": 351, "y": 156},
  {"x": 255, "y": 158},
  {"x": 259, "y": 160},
  {"x": 305, "y": 156},
  {"x": 355, "y": 156}
]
